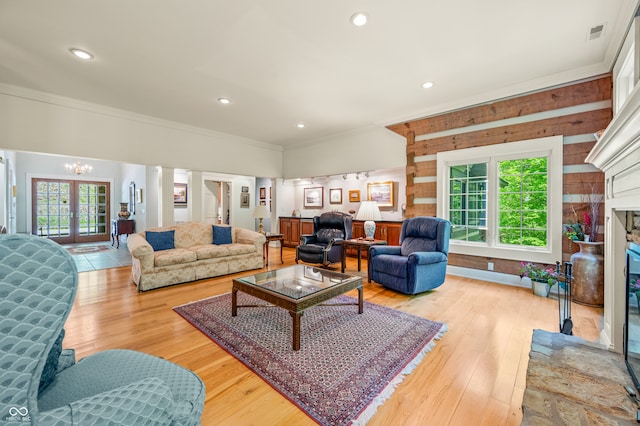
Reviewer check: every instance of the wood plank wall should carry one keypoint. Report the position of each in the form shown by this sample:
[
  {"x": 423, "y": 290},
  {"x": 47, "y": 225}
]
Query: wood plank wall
[{"x": 574, "y": 111}]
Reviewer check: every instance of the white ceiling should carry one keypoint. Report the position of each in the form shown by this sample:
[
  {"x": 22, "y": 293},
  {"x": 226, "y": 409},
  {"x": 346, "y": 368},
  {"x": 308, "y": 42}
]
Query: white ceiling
[{"x": 282, "y": 62}]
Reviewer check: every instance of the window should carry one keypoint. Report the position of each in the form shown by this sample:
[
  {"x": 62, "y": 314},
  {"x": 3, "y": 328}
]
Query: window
[{"x": 503, "y": 200}]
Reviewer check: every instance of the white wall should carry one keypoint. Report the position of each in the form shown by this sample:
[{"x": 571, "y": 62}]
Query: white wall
[
  {"x": 42, "y": 123},
  {"x": 371, "y": 149},
  {"x": 291, "y": 193}
]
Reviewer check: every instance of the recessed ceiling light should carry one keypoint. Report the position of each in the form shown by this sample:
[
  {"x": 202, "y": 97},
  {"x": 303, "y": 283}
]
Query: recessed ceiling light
[
  {"x": 359, "y": 19},
  {"x": 427, "y": 85},
  {"x": 300, "y": 125},
  {"x": 224, "y": 101},
  {"x": 82, "y": 54}
]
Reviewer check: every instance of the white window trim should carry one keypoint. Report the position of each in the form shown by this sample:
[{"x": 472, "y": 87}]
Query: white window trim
[{"x": 534, "y": 147}]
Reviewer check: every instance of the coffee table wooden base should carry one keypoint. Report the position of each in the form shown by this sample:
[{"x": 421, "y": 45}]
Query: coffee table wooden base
[{"x": 295, "y": 307}]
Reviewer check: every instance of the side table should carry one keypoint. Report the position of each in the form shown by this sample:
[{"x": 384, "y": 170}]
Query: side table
[
  {"x": 273, "y": 237},
  {"x": 121, "y": 227},
  {"x": 359, "y": 244}
]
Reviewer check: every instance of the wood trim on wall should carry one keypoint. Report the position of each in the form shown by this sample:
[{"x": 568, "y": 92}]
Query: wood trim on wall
[{"x": 575, "y": 111}]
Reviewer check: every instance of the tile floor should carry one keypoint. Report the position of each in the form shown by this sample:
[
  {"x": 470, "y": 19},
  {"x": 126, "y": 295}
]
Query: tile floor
[{"x": 110, "y": 258}]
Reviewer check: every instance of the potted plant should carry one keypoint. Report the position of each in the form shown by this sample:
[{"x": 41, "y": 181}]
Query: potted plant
[{"x": 542, "y": 278}]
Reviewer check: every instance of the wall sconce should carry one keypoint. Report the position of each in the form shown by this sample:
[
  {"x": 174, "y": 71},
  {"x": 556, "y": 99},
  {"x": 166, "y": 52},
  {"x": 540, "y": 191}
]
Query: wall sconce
[{"x": 78, "y": 168}]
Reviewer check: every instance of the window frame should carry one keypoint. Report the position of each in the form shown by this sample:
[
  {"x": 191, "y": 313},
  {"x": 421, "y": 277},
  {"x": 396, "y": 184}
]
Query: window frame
[{"x": 552, "y": 148}]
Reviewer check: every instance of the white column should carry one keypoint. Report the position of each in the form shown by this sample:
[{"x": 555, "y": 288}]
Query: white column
[{"x": 165, "y": 199}]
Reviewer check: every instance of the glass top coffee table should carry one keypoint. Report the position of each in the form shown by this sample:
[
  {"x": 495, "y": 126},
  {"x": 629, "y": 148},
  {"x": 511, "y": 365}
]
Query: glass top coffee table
[{"x": 295, "y": 289}]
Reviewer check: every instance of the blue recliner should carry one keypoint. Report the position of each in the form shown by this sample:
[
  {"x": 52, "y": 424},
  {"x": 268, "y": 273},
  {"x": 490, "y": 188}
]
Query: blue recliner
[
  {"x": 420, "y": 262},
  {"x": 40, "y": 383}
]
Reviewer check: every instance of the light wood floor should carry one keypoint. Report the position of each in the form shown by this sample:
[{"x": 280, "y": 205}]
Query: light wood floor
[{"x": 474, "y": 375}]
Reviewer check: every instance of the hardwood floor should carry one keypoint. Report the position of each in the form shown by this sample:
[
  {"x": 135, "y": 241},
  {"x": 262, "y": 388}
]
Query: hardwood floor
[{"x": 474, "y": 375}]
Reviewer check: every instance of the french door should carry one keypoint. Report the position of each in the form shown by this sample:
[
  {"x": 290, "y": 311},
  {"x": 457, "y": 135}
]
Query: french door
[{"x": 70, "y": 211}]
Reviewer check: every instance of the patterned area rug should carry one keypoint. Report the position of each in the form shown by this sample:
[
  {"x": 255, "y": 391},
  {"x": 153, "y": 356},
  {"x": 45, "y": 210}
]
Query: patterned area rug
[
  {"x": 87, "y": 249},
  {"x": 348, "y": 364}
]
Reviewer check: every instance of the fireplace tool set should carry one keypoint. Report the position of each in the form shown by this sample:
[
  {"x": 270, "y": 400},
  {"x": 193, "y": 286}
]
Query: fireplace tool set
[{"x": 564, "y": 297}]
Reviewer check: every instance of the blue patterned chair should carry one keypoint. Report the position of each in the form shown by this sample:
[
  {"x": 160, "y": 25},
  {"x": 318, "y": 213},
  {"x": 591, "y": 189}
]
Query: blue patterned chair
[
  {"x": 42, "y": 384},
  {"x": 420, "y": 262}
]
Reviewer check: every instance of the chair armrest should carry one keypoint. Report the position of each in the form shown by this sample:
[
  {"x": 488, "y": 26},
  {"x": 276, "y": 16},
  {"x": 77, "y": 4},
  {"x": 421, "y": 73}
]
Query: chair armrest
[
  {"x": 66, "y": 360},
  {"x": 377, "y": 250},
  {"x": 334, "y": 241},
  {"x": 426, "y": 257},
  {"x": 147, "y": 401},
  {"x": 307, "y": 239}
]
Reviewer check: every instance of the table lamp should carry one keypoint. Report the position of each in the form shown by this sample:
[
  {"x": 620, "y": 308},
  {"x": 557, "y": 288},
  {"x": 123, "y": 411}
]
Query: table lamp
[
  {"x": 369, "y": 212},
  {"x": 261, "y": 212}
]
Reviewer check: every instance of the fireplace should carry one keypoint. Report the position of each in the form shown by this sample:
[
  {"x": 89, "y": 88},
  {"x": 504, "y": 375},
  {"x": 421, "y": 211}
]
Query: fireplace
[{"x": 617, "y": 153}]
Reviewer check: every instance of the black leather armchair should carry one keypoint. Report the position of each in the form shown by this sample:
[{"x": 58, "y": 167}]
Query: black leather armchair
[{"x": 325, "y": 245}]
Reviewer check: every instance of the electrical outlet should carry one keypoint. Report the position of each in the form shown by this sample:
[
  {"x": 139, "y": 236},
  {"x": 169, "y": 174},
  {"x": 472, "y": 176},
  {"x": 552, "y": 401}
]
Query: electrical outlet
[{"x": 490, "y": 266}]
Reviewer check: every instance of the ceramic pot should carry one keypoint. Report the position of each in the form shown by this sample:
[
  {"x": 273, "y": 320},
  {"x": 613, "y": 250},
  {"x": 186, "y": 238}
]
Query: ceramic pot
[
  {"x": 588, "y": 274},
  {"x": 124, "y": 213}
]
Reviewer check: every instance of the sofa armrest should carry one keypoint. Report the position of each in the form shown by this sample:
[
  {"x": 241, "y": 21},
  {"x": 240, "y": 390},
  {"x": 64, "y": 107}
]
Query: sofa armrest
[
  {"x": 378, "y": 250},
  {"x": 141, "y": 251},
  {"x": 247, "y": 236}
]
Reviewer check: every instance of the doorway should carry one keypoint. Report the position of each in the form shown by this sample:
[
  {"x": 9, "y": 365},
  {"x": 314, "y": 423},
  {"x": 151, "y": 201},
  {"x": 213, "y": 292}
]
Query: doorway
[
  {"x": 216, "y": 202},
  {"x": 70, "y": 211}
]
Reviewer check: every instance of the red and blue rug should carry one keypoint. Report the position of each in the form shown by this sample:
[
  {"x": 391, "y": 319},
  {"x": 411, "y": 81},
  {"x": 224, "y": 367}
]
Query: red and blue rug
[{"x": 348, "y": 364}]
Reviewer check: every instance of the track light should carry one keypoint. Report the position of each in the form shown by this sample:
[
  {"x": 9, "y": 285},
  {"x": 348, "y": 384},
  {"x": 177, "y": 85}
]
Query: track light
[
  {"x": 357, "y": 175},
  {"x": 366, "y": 174},
  {"x": 344, "y": 177}
]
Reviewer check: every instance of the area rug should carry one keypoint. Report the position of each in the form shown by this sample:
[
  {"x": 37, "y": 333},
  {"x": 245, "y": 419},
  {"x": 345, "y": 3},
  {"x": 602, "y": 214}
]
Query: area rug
[
  {"x": 87, "y": 249},
  {"x": 348, "y": 363}
]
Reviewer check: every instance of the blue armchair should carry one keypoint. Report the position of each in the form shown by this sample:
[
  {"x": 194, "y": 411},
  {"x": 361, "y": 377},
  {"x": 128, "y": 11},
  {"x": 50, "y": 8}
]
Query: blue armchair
[
  {"x": 42, "y": 383},
  {"x": 325, "y": 245},
  {"x": 419, "y": 263}
]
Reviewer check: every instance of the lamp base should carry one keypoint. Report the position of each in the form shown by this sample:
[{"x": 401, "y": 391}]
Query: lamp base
[
  {"x": 260, "y": 227},
  {"x": 369, "y": 229}
]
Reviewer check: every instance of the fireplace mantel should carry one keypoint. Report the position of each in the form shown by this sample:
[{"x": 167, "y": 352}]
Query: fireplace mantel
[{"x": 617, "y": 154}]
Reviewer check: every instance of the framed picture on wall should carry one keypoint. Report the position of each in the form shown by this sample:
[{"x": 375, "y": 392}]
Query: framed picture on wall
[
  {"x": 381, "y": 192},
  {"x": 354, "y": 195},
  {"x": 263, "y": 193},
  {"x": 313, "y": 197},
  {"x": 245, "y": 189},
  {"x": 132, "y": 197},
  {"x": 244, "y": 200},
  {"x": 335, "y": 196},
  {"x": 179, "y": 194}
]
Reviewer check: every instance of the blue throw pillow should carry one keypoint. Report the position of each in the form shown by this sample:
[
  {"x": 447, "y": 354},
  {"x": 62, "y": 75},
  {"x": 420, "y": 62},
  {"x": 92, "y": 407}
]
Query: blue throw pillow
[
  {"x": 160, "y": 240},
  {"x": 221, "y": 235},
  {"x": 51, "y": 366}
]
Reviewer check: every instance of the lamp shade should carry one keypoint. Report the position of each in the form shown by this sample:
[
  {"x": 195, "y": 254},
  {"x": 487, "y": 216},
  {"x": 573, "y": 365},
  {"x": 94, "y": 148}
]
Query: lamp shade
[
  {"x": 261, "y": 212},
  {"x": 369, "y": 211}
]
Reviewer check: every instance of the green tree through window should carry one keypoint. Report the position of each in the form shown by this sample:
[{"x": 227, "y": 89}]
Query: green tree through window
[{"x": 522, "y": 202}]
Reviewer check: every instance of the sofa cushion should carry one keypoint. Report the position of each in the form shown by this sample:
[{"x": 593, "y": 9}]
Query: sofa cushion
[
  {"x": 211, "y": 251},
  {"x": 174, "y": 257},
  {"x": 222, "y": 235},
  {"x": 160, "y": 240}
]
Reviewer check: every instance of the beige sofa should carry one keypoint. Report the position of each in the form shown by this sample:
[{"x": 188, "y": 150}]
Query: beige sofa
[{"x": 194, "y": 257}]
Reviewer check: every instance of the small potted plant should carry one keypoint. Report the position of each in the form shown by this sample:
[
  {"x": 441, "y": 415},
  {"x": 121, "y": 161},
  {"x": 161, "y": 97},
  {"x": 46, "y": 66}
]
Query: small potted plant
[{"x": 542, "y": 278}]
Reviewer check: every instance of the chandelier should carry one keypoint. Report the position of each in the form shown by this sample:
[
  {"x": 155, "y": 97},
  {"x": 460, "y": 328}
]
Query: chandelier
[{"x": 78, "y": 168}]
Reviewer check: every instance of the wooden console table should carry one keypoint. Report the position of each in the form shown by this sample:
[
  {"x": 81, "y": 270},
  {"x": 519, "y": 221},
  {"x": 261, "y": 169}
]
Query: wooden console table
[{"x": 121, "y": 227}]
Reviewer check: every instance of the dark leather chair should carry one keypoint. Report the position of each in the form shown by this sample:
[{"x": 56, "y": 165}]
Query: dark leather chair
[
  {"x": 419, "y": 263},
  {"x": 325, "y": 245}
]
